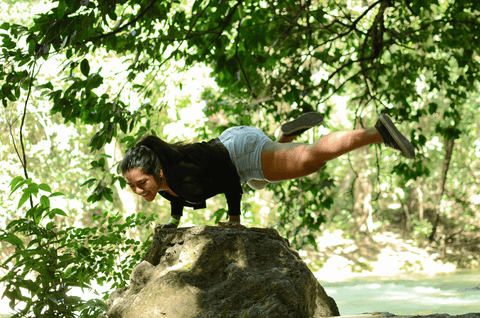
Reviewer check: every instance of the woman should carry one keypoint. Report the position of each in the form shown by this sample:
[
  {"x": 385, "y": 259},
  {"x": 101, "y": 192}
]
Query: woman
[{"x": 188, "y": 174}]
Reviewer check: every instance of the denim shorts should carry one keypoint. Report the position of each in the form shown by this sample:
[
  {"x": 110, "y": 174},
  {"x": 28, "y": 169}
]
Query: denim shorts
[{"x": 245, "y": 145}]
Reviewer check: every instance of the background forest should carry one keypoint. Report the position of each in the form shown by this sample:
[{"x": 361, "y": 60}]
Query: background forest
[{"x": 82, "y": 81}]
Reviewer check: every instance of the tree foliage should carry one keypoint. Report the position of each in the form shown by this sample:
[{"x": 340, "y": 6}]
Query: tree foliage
[
  {"x": 263, "y": 53},
  {"x": 54, "y": 260},
  {"x": 416, "y": 60}
]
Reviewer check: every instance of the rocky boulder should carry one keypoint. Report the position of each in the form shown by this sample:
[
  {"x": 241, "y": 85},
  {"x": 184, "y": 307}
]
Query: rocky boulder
[{"x": 208, "y": 271}]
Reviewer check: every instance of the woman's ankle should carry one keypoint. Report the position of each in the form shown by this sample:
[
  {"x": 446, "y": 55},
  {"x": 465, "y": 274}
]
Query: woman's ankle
[
  {"x": 373, "y": 133},
  {"x": 234, "y": 218}
]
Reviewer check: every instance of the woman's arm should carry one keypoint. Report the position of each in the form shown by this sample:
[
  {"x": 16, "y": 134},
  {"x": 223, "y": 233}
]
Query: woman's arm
[
  {"x": 176, "y": 215},
  {"x": 234, "y": 199}
]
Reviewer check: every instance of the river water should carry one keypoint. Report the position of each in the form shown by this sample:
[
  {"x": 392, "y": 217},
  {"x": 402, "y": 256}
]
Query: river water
[{"x": 453, "y": 293}]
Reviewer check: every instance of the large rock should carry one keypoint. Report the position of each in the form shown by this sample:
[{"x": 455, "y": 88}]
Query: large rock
[{"x": 215, "y": 272}]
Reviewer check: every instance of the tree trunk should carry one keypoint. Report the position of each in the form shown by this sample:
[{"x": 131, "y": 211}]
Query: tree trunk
[
  {"x": 362, "y": 191},
  {"x": 408, "y": 220},
  {"x": 420, "y": 203},
  {"x": 449, "y": 144}
]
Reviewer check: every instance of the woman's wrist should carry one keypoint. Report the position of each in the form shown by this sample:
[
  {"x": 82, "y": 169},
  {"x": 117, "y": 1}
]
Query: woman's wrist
[
  {"x": 174, "y": 220},
  {"x": 234, "y": 218}
]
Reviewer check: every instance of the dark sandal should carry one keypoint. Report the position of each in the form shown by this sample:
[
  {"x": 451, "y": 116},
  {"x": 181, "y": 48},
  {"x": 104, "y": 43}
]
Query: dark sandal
[
  {"x": 301, "y": 124},
  {"x": 394, "y": 138}
]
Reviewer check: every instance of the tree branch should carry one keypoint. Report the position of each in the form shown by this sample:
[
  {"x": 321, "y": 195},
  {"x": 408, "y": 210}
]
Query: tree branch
[
  {"x": 340, "y": 86},
  {"x": 335, "y": 73},
  {"x": 290, "y": 26},
  {"x": 123, "y": 27},
  {"x": 225, "y": 24},
  {"x": 14, "y": 143},
  {"x": 351, "y": 27},
  {"x": 24, "y": 162},
  {"x": 448, "y": 145},
  {"x": 240, "y": 63}
]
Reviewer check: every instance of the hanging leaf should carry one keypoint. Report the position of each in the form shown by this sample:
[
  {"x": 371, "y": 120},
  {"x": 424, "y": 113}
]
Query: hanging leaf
[
  {"x": 23, "y": 199},
  {"x": 45, "y": 201},
  {"x": 7, "y": 92},
  {"x": 85, "y": 67},
  {"x": 13, "y": 239}
]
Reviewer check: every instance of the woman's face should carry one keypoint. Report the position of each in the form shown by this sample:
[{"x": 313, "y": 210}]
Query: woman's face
[{"x": 143, "y": 184}]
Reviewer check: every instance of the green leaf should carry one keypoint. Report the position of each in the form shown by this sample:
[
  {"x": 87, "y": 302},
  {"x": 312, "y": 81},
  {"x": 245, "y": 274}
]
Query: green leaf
[
  {"x": 312, "y": 241},
  {"x": 31, "y": 47},
  {"x": 44, "y": 187},
  {"x": 13, "y": 239},
  {"x": 14, "y": 223},
  {"x": 38, "y": 213},
  {"x": 62, "y": 6},
  {"x": 122, "y": 182},
  {"x": 58, "y": 211},
  {"x": 15, "y": 181},
  {"x": 107, "y": 193},
  {"x": 45, "y": 201},
  {"x": 31, "y": 189},
  {"x": 90, "y": 181},
  {"x": 85, "y": 67},
  {"x": 7, "y": 92},
  {"x": 23, "y": 199},
  {"x": 218, "y": 215},
  {"x": 123, "y": 125},
  {"x": 112, "y": 15},
  {"x": 126, "y": 139},
  {"x": 8, "y": 43},
  {"x": 48, "y": 86},
  {"x": 55, "y": 194}
]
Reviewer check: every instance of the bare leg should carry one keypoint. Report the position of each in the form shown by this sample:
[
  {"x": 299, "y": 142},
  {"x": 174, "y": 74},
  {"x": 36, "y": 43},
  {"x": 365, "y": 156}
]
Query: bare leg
[
  {"x": 288, "y": 132},
  {"x": 282, "y": 139},
  {"x": 283, "y": 161},
  {"x": 261, "y": 184}
]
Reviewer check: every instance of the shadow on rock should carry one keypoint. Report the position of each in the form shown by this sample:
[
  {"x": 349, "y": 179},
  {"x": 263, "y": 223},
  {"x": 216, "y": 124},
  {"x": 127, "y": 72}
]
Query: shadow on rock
[{"x": 208, "y": 271}]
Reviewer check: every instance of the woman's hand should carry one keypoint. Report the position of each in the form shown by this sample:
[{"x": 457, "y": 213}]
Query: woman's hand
[
  {"x": 231, "y": 224},
  {"x": 165, "y": 226},
  {"x": 172, "y": 224}
]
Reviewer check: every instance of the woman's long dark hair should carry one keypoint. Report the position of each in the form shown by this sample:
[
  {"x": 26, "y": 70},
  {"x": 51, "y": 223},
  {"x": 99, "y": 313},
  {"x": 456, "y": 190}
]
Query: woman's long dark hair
[{"x": 152, "y": 154}]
